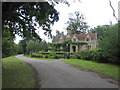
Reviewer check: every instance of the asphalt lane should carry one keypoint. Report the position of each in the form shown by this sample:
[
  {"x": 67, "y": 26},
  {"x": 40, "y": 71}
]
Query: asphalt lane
[{"x": 57, "y": 74}]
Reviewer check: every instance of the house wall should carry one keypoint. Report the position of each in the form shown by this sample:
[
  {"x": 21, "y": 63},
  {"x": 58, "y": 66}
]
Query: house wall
[{"x": 92, "y": 43}]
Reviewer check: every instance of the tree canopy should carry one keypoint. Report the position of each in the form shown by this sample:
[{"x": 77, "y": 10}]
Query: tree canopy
[
  {"x": 8, "y": 46},
  {"x": 77, "y": 23},
  {"x": 109, "y": 42},
  {"x": 23, "y": 17},
  {"x": 35, "y": 46}
]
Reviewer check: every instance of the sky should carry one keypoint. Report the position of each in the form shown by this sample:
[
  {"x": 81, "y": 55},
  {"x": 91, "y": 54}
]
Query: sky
[{"x": 96, "y": 12}]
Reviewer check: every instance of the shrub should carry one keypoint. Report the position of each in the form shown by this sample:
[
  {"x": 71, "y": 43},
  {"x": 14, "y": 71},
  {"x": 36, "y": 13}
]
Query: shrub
[
  {"x": 59, "y": 56},
  {"x": 86, "y": 54},
  {"x": 100, "y": 56},
  {"x": 35, "y": 55},
  {"x": 51, "y": 55},
  {"x": 73, "y": 56},
  {"x": 93, "y": 54}
]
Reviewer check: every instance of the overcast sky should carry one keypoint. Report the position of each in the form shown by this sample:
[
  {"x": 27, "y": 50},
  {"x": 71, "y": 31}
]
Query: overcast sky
[{"x": 96, "y": 12}]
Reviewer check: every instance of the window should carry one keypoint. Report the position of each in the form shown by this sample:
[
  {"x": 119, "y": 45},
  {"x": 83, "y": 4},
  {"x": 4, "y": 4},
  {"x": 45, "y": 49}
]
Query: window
[
  {"x": 87, "y": 39},
  {"x": 88, "y": 47},
  {"x": 74, "y": 39}
]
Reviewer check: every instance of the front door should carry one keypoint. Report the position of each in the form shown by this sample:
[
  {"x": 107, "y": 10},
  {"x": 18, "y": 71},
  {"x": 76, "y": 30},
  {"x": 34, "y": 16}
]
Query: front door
[{"x": 74, "y": 48}]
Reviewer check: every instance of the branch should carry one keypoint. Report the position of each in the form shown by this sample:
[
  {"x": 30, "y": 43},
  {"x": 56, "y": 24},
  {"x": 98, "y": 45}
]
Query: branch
[{"x": 113, "y": 10}]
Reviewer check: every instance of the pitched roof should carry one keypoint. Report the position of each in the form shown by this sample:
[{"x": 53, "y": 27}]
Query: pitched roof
[{"x": 81, "y": 37}]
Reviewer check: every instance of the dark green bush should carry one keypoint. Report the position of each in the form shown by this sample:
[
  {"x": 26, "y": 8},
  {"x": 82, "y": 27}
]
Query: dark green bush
[
  {"x": 86, "y": 54},
  {"x": 93, "y": 54},
  {"x": 100, "y": 56}
]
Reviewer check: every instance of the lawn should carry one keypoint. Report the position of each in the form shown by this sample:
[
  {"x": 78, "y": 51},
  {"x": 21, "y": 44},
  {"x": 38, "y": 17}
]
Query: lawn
[
  {"x": 17, "y": 74},
  {"x": 106, "y": 69},
  {"x": 48, "y": 59}
]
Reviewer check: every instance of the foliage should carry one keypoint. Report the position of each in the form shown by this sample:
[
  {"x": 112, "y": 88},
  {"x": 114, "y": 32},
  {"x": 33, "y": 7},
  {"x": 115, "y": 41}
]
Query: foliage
[
  {"x": 22, "y": 46},
  {"x": 23, "y": 17},
  {"x": 8, "y": 46},
  {"x": 77, "y": 23},
  {"x": 36, "y": 55},
  {"x": 59, "y": 33},
  {"x": 109, "y": 43},
  {"x": 94, "y": 54},
  {"x": 66, "y": 45},
  {"x": 35, "y": 46},
  {"x": 50, "y": 54},
  {"x": 48, "y": 59},
  {"x": 100, "y": 30},
  {"x": 16, "y": 74}
]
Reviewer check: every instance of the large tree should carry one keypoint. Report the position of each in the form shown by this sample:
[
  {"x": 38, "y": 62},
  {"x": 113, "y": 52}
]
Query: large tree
[
  {"x": 109, "y": 43},
  {"x": 76, "y": 23},
  {"x": 101, "y": 30},
  {"x": 23, "y": 17},
  {"x": 8, "y": 46}
]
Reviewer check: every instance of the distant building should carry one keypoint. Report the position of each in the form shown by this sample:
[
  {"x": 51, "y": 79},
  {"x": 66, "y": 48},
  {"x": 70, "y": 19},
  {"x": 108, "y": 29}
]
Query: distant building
[{"x": 90, "y": 39}]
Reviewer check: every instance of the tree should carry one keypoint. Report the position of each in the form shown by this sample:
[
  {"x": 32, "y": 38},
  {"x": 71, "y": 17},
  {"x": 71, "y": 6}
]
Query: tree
[
  {"x": 59, "y": 33},
  {"x": 8, "y": 46},
  {"x": 22, "y": 17},
  {"x": 22, "y": 46},
  {"x": 77, "y": 23},
  {"x": 35, "y": 46},
  {"x": 109, "y": 43},
  {"x": 100, "y": 30}
]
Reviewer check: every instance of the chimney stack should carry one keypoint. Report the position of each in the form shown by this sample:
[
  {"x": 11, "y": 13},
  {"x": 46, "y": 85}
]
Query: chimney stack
[{"x": 68, "y": 32}]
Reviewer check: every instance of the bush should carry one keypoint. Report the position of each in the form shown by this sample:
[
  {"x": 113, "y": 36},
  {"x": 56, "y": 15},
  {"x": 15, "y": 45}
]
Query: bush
[
  {"x": 94, "y": 54},
  {"x": 53, "y": 54},
  {"x": 35, "y": 55},
  {"x": 85, "y": 54},
  {"x": 73, "y": 57},
  {"x": 59, "y": 56},
  {"x": 100, "y": 56}
]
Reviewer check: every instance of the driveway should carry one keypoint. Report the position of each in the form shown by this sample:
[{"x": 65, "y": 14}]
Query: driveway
[{"x": 57, "y": 74}]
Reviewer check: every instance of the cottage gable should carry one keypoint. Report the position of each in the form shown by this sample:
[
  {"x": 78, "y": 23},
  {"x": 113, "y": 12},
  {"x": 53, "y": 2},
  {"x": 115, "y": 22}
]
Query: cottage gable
[
  {"x": 75, "y": 39},
  {"x": 88, "y": 38}
]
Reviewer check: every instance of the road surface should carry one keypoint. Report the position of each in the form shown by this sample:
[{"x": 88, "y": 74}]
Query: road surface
[{"x": 57, "y": 74}]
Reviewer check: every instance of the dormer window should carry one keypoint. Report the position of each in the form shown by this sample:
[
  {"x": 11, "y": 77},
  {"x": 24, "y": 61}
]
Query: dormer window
[
  {"x": 74, "y": 39},
  {"x": 87, "y": 39}
]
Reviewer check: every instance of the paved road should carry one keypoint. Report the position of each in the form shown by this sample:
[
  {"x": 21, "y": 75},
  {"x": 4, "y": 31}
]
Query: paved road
[{"x": 57, "y": 74}]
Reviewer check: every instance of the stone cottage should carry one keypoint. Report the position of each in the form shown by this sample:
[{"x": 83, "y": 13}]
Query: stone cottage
[{"x": 90, "y": 39}]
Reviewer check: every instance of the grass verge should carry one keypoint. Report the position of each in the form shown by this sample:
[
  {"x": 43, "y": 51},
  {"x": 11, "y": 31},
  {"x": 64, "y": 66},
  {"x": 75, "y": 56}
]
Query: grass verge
[
  {"x": 48, "y": 59},
  {"x": 17, "y": 74},
  {"x": 106, "y": 69}
]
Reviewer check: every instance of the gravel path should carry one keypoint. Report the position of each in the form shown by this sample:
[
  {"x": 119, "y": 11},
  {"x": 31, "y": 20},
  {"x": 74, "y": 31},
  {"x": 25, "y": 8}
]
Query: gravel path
[{"x": 57, "y": 74}]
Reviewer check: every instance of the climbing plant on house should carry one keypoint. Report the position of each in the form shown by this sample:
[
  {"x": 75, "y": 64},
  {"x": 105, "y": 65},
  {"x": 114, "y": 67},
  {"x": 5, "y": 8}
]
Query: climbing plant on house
[{"x": 66, "y": 45}]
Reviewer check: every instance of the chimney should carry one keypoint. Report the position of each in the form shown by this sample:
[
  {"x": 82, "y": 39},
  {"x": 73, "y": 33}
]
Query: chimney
[{"x": 68, "y": 32}]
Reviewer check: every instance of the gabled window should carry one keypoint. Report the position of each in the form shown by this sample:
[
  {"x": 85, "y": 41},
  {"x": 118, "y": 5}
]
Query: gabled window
[
  {"x": 87, "y": 39},
  {"x": 74, "y": 39}
]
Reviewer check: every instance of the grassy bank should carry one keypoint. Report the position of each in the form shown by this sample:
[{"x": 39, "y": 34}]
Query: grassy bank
[
  {"x": 106, "y": 69},
  {"x": 48, "y": 59},
  {"x": 17, "y": 74}
]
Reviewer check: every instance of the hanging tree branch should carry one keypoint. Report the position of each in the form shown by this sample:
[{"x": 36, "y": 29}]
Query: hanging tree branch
[{"x": 113, "y": 10}]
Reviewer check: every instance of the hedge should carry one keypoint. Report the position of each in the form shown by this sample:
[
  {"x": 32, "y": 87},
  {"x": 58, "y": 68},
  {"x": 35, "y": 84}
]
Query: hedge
[{"x": 94, "y": 54}]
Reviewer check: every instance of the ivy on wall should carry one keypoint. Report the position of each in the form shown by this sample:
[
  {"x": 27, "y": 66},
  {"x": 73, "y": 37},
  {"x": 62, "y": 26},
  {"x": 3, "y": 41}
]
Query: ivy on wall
[{"x": 66, "y": 45}]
